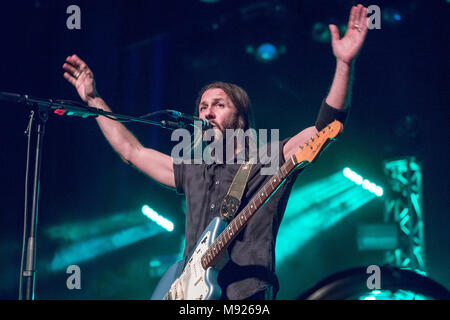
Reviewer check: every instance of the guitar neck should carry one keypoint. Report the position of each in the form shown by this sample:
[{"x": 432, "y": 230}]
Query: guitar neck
[
  {"x": 218, "y": 247},
  {"x": 306, "y": 154}
]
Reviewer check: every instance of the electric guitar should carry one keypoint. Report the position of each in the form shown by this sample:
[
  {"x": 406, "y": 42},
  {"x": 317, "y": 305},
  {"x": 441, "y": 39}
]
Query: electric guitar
[{"x": 195, "y": 277}]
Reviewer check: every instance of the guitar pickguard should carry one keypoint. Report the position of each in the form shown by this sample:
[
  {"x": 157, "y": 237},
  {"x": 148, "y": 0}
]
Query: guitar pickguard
[
  {"x": 194, "y": 282},
  {"x": 193, "y": 279}
]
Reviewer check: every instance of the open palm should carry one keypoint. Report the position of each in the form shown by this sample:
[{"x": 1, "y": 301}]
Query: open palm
[{"x": 347, "y": 47}]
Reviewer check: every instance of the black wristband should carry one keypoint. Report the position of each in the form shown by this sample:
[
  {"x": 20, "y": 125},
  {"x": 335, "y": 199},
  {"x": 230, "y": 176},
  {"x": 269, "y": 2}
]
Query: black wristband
[{"x": 328, "y": 114}]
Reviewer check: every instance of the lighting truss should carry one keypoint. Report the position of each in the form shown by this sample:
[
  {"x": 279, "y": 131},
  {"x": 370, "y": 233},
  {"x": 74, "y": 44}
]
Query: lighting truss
[{"x": 403, "y": 208}]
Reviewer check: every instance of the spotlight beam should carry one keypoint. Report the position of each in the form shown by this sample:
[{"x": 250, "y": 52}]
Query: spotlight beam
[
  {"x": 318, "y": 206},
  {"x": 89, "y": 249}
]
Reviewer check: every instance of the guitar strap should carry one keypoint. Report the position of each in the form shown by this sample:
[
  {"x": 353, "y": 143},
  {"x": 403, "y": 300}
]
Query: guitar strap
[{"x": 232, "y": 200}]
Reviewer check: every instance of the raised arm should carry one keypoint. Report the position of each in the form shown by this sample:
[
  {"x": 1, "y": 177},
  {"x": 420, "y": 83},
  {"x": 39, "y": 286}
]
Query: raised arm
[
  {"x": 155, "y": 164},
  {"x": 345, "y": 50}
]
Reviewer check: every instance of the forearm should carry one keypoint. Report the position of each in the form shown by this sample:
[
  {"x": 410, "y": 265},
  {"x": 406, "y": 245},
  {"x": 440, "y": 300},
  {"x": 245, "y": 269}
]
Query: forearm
[
  {"x": 339, "y": 96},
  {"x": 335, "y": 106},
  {"x": 118, "y": 136}
]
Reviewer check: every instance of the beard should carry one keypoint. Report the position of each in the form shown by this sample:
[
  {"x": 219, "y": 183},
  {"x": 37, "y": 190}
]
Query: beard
[
  {"x": 230, "y": 123},
  {"x": 220, "y": 136},
  {"x": 233, "y": 123}
]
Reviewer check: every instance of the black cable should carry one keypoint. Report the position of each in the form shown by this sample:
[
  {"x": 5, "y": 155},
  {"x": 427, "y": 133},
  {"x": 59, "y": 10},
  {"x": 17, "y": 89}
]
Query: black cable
[
  {"x": 151, "y": 114},
  {"x": 71, "y": 102},
  {"x": 148, "y": 115}
]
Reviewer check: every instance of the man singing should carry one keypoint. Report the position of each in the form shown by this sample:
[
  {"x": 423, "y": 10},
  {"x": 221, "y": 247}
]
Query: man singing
[{"x": 250, "y": 270}]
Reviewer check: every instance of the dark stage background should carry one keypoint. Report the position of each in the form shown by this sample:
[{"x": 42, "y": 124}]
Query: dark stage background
[{"x": 151, "y": 55}]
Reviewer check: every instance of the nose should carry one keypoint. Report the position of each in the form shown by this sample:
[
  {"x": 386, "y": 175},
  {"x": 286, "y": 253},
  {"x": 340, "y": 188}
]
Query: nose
[{"x": 209, "y": 113}]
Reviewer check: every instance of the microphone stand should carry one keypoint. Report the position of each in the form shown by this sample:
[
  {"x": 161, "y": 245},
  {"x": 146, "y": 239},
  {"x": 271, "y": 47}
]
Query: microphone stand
[
  {"x": 29, "y": 273},
  {"x": 39, "y": 116}
]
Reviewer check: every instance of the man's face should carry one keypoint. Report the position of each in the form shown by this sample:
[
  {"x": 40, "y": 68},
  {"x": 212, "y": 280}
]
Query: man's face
[{"x": 216, "y": 107}]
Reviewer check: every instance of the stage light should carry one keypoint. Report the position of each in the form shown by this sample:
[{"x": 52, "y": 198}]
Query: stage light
[
  {"x": 391, "y": 15},
  {"x": 266, "y": 52},
  {"x": 377, "y": 236},
  {"x": 364, "y": 183},
  {"x": 91, "y": 239},
  {"x": 393, "y": 295},
  {"x": 160, "y": 220},
  {"x": 89, "y": 249},
  {"x": 320, "y": 32},
  {"x": 334, "y": 199}
]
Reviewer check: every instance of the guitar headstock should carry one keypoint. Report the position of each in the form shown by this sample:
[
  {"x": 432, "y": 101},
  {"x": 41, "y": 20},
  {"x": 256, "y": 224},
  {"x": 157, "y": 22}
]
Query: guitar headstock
[{"x": 314, "y": 146}]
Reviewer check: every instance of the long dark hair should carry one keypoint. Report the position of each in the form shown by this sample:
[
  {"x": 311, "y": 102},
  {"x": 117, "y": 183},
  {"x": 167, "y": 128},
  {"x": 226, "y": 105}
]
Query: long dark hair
[{"x": 239, "y": 98}]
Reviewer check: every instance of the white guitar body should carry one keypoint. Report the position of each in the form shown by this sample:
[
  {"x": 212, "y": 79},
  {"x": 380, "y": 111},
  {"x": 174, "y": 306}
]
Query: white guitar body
[{"x": 194, "y": 282}]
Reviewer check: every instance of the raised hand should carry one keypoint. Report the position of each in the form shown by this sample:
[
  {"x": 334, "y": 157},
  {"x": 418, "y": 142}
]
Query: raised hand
[
  {"x": 346, "y": 48},
  {"x": 81, "y": 77}
]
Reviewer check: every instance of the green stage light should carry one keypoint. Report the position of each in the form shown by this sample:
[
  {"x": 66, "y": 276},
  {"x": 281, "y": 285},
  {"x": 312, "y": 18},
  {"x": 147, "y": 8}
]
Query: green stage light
[
  {"x": 89, "y": 249},
  {"x": 316, "y": 207},
  {"x": 359, "y": 180},
  {"x": 393, "y": 295},
  {"x": 160, "y": 220},
  {"x": 96, "y": 237}
]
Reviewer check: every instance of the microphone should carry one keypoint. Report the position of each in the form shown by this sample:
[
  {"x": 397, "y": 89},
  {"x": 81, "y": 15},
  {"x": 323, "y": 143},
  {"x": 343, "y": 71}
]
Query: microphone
[{"x": 187, "y": 118}]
